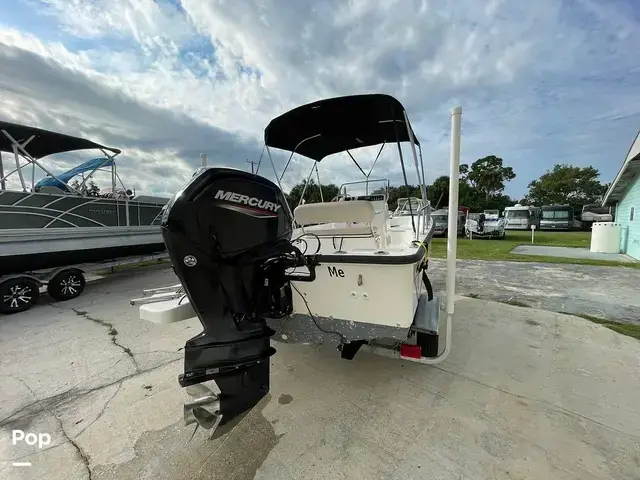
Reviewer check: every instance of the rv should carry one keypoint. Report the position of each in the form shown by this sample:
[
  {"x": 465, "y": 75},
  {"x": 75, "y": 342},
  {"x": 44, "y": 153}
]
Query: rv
[
  {"x": 522, "y": 217},
  {"x": 557, "y": 217}
]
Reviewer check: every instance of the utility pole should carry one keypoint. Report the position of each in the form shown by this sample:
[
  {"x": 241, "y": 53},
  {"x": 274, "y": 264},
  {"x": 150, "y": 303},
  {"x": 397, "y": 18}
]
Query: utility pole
[{"x": 252, "y": 163}]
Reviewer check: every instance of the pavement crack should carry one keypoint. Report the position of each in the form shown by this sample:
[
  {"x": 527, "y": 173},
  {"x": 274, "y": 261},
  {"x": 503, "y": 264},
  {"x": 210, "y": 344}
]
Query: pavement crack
[
  {"x": 72, "y": 394},
  {"x": 81, "y": 453},
  {"x": 104, "y": 409},
  {"x": 113, "y": 334}
]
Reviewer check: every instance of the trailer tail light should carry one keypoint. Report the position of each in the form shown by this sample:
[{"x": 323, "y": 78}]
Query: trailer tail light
[{"x": 411, "y": 351}]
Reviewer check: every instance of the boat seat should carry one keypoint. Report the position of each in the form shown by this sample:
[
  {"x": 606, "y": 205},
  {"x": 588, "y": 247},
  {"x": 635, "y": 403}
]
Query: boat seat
[{"x": 337, "y": 219}]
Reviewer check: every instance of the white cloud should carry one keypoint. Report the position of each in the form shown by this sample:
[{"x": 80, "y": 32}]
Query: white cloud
[{"x": 539, "y": 82}]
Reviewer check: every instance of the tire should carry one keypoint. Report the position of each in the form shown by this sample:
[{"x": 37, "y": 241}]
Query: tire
[
  {"x": 18, "y": 294},
  {"x": 66, "y": 285}
]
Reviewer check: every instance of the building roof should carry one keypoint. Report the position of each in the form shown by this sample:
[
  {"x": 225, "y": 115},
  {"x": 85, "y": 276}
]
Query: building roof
[{"x": 628, "y": 173}]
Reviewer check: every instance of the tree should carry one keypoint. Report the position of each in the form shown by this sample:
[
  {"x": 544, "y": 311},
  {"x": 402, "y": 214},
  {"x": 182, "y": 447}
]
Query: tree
[
  {"x": 488, "y": 175},
  {"x": 566, "y": 184},
  {"x": 93, "y": 190},
  {"x": 76, "y": 186},
  {"x": 469, "y": 194}
]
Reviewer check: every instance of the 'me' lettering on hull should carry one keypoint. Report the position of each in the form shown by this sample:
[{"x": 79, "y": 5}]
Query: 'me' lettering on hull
[{"x": 336, "y": 272}]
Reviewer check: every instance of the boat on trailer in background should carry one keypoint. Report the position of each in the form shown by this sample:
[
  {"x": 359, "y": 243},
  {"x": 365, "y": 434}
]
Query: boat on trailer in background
[
  {"x": 48, "y": 225},
  {"x": 252, "y": 269}
]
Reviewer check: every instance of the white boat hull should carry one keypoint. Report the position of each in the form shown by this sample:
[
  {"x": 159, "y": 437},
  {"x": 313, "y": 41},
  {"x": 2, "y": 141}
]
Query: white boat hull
[{"x": 366, "y": 293}]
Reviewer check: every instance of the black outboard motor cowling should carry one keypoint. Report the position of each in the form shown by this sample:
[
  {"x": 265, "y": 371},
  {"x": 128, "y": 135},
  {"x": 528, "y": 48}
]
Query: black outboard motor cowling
[{"x": 228, "y": 235}]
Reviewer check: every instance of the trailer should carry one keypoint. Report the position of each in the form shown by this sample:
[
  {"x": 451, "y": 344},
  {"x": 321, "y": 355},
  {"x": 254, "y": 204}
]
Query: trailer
[{"x": 20, "y": 291}]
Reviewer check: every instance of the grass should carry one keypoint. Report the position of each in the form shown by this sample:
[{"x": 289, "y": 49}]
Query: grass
[
  {"x": 486, "y": 249},
  {"x": 628, "y": 329}
]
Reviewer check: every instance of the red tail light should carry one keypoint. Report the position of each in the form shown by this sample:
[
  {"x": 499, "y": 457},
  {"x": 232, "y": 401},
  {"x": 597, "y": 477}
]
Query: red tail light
[{"x": 411, "y": 351}]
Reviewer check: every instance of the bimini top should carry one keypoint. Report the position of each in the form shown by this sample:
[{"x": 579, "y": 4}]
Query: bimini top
[
  {"x": 44, "y": 142},
  {"x": 337, "y": 124}
]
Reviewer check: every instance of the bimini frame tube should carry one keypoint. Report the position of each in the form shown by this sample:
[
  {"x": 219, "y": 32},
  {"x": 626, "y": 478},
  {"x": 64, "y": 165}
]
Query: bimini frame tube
[
  {"x": 319, "y": 184},
  {"x": 313, "y": 167},
  {"x": 275, "y": 174},
  {"x": 412, "y": 141}
]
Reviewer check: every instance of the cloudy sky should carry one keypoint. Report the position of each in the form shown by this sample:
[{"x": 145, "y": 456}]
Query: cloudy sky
[{"x": 540, "y": 82}]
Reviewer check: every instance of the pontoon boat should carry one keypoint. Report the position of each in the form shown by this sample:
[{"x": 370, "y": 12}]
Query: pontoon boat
[{"x": 50, "y": 223}]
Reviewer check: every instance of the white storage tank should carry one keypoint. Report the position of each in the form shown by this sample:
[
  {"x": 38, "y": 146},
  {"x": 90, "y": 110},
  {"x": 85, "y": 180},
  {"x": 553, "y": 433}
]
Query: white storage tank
[{"x": 605, "y": 237}]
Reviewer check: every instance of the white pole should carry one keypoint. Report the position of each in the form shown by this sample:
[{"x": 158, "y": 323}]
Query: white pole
[
  {"x": 203, "y": 159},
  {"x": 452, "y": 238},
  {"x": 456, "y": 117},
  {"x": 533, "y": 230}
]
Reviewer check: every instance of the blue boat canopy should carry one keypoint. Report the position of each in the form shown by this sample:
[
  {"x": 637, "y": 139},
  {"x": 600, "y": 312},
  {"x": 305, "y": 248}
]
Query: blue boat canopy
[{"x": 88, "y": 166}]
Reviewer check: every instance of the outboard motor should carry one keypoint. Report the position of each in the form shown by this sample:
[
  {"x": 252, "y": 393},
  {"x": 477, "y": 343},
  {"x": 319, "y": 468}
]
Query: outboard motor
[{"x": 228, "y": 235}]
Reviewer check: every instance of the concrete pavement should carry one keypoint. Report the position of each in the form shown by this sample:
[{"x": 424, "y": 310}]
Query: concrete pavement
[
  {"x": 525, "y": 394},
  {"x": 571, "y": 252},
  {"x": 606, "y": 292}
]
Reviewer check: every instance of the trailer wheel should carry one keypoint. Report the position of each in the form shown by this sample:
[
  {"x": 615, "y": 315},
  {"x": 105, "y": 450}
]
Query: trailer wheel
[
  {"x": 18, "y": 294},
  {"x": 66, "y": 285}
]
